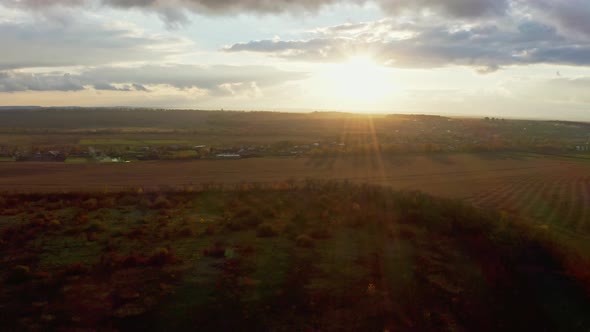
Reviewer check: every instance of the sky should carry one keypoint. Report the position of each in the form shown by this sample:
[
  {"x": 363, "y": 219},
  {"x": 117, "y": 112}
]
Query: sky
[{"x": 503, "y": 58}]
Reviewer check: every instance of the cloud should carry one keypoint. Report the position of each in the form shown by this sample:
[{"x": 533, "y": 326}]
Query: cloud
[
  {"x": 191, "y": 76},
  {"x": 570, "y": 15},
  {"x": 173, "y": 9},
  {"x": 249, "y": 89},
  {"x": 46, "y": 43},
  {"x": 455, "y": 8},
  {"x": 426, "y": 44},
  {"x": 217, "y": 80},
  {"x": 111, "y": 87},
  {"x": 17, "y": 81}
]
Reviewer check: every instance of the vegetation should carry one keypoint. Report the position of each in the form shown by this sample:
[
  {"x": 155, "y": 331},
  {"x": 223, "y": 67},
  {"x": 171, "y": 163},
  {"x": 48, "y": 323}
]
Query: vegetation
[
  {"x": 294, "y": 256},
  {"x": 139, "y": 134}
]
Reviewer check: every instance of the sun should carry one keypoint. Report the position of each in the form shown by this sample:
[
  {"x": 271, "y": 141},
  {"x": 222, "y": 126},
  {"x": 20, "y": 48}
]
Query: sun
[{"x": 360, "y": 79}]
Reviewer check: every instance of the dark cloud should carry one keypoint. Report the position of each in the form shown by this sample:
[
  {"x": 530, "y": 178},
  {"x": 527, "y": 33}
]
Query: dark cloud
[
  {"x": 484, "y": 46},
  {"x": 571, "y": 15},
  {"x": 456, "y": 8},
  {"x": 221, "y": 6},
  {"x": 215, "y": 79},
  {"x": 172, "y": 9},
  {"x": 40, "y": 4}
]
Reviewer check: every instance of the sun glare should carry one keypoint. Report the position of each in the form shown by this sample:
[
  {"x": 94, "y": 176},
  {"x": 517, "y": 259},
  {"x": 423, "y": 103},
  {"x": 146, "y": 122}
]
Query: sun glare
[{"x": 360, "y": 79}]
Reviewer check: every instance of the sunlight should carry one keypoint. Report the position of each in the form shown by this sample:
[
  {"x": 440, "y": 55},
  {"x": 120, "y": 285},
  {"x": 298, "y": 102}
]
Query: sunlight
[{"x": 360, "y": 79}]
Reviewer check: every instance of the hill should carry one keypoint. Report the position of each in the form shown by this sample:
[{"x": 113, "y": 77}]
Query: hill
[{"x": 312, "y": 256}]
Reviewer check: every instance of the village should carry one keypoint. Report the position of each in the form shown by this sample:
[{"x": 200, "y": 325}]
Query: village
[{"x": 395, "y": 134}]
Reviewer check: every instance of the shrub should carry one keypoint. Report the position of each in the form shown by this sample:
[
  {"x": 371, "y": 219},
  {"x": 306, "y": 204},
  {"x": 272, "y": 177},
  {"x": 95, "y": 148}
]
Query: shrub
[
  {"x": 186, "y": 232},
  {"x": 406, "y": 232},
  {"x": 54, "y": 205},
  {"x": 91, "y": 236},
  {"x": 290, "y": 230},
  {"x": 266, "y": 230},
  {"x": 161, "y": 202},
  {"x": 90, "y": 204},
  {"x": 9, "y": 212},
  {"x": 95, "y": 227},
  {"x": 145, "y": 203},
  {"x": 304, "y": 241},
  {"x": 245, "y": 250},
  {"x": 127, "y": 200},
  {"x": 210, "y": 230},
  {"x": 19, "y": 274},
  {"x": 320, "y": 233},
  {"x": 234, "y": 225},
  {"x": 108, "y": 202},
  {"x": 109, "y": 261},
  {"x": 134, "y": 260},
  {"x": 136, "y": 233},
  {"x": 162, "y": 256},
  {"x": 246, "y": 218},
  {"x": 217, "y": 250},
  {"x": 76, "y": 269},
  {"x": 80, "y": 218},
  {"x": 54, "y": 223}
]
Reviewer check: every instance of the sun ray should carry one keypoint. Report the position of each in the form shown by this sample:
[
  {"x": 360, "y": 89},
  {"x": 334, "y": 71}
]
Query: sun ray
[{"x": 359, "y": 80}]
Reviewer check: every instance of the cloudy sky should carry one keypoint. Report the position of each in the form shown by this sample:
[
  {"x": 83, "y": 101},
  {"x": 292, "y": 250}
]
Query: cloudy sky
[{"x": 509, "y": 58}]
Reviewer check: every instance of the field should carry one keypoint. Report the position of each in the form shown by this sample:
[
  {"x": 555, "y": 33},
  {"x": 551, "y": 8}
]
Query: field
[
  {"x": 325, "y": 223},
  {"x": 559, "y": 201},
  {"x": 550, "y": 190},
  {"x": 312, "y": 256},
  {"x": 451, "y": 175}
]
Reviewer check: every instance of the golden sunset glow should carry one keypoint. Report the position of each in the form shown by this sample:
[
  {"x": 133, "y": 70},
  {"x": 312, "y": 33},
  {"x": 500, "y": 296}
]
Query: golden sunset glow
[{"x": 360, "y": 79}]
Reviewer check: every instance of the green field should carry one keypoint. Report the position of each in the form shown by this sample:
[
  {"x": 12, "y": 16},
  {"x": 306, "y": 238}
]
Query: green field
[{"x": 315, "y": 256}]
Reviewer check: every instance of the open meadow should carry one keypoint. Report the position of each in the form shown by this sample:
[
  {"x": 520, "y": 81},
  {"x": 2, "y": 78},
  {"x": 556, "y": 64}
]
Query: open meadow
[{"x": 323, "y": 256}]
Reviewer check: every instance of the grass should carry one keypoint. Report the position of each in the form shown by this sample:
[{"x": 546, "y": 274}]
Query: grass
[{"x": 331, "y": 256}]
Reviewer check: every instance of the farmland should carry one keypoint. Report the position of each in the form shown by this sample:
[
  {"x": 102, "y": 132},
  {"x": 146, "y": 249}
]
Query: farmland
[
  {"x": 550, "y": 190},
  {"x": 559, "y": 201},
  {"x": 441, "y": 174}
]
